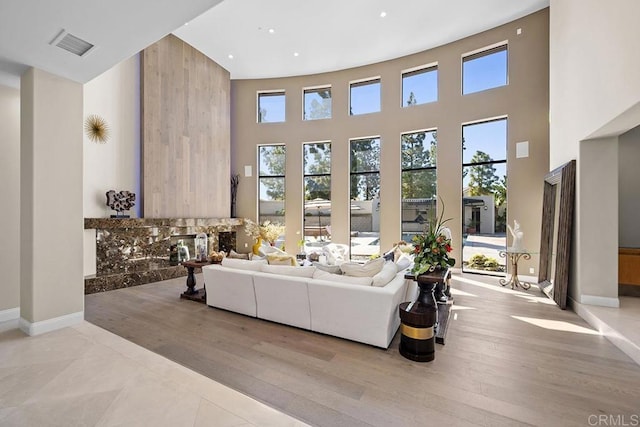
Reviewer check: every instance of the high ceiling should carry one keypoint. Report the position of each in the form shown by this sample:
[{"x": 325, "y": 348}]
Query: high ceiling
[{"x": 326, "y": 35}]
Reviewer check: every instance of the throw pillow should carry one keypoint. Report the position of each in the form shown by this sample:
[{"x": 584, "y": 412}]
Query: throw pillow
[
  {"x": 267, "y": 249},
  {"x": 236, "y": 255},
  {"x": 368, "y": 269},
  {"x": 281, "y": 259},
  {"x": 403, "y": 262},
  {"x": 288, "y": 270},
  {"x": 333, "y": 269},
  {"x": 243, "y": 264},
  {"x": 337, "y": 278},
  {"x": 387, "y": 274}
]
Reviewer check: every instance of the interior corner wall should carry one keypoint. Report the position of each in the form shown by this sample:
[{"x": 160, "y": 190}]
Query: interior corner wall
[
  {"x": 629, "y": 193},
  {"x": 593, "y": 83},
  {"x": 593, "y": 69},
  {"x": 524, "y": 100},
  {"x": 114, "y": 165},
  {"x": 10, "y": 196},
  {"x": 186, "y": 132},
  {"x": 51, "y": 222}
]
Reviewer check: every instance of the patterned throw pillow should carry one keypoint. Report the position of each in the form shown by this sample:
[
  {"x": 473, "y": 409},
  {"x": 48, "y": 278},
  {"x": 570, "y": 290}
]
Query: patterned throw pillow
[{"x": 281, "y": 259}]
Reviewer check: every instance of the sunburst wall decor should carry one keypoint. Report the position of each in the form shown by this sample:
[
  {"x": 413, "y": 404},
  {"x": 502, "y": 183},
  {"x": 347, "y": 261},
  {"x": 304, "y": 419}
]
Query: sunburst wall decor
[{"x": 97, "y": 129}]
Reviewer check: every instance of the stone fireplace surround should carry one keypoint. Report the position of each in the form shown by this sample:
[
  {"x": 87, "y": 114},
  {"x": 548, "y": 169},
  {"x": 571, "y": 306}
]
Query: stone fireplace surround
[{"x": 135, "y": 251}]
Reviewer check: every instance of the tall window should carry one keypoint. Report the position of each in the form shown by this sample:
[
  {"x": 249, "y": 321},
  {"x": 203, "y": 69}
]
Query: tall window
[
  {"x": 484, "y": 70},
  {"x": 317, "y": 193},
  {"x": 317, "y": 103},
  {"x": 271, "y": 165},
  {"x": 271, "y": 107},
  {"x": 420, "y": 86},
  {"x": 364, "y": 97},
  {"x": 419, "y": 150},
  {"x": 365, "y": 198},
  {"x": 484, "y": 195}
]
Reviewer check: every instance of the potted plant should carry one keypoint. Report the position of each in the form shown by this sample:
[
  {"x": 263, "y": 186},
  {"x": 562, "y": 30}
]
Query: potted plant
[{"x": 432, "y": 247}]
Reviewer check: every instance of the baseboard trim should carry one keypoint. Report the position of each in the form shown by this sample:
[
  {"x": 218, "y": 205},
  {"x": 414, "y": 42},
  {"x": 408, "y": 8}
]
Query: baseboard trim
[
  {"x": 44, "y": 326},
  {"x": 9, "y": 314},
  {"x": 601, "y": 301}
]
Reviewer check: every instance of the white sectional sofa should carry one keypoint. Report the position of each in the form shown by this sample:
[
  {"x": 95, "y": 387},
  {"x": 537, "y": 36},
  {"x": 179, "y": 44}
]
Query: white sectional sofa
[{"x": 308, "y": 298}]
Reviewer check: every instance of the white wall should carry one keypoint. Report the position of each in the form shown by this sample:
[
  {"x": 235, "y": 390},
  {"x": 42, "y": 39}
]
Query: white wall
[
  {"x": 594, "y": 93},
  {"x": 10, "y": 197},
  {"x": 51, "y": 280},
  {"x": 628, "y": 187},
  {"x": 115, "y": 96},
  {"x": 594, "y": 65}
]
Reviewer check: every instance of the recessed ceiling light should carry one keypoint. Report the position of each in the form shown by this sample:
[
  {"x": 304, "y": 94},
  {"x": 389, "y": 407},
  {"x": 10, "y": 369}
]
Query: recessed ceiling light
[
  {"x": 186, "y": 23},
  {"x": 230, "y": 56},
  {"x": 296, "y": 54},
  {"x": 271, "y": 31},
  {"x": 383, "y": 14}
]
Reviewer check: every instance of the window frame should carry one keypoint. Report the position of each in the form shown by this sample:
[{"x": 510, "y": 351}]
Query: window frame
[
  {"x": 259, "y": 175},
  {"x": 481, "y": 53},
  {"x": 275, "y": 92},
  {"x": 364, "y": 82},
  {"x": 316, "y": 89},
  {"x": 314, "y": 175},
  {"x": 420, "y": 69}
]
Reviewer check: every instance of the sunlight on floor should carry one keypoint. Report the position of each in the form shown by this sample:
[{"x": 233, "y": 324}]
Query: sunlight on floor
[
  {"x": 557, "y": 325},
  {"x": 540, "y": 299},
  {"x": 456, "y": 307},
  {"x": 455, "y": 291},
  {"x": 490, "y": 287}
]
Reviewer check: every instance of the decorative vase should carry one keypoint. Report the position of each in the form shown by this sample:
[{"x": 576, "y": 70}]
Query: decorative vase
[{"x": 256, "y": 247}]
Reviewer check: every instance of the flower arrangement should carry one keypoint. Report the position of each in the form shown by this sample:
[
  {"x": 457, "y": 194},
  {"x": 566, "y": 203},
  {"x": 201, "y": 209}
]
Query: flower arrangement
[
  {"x": 269, "y": 231},
  {"x": 432, "y": 247}
]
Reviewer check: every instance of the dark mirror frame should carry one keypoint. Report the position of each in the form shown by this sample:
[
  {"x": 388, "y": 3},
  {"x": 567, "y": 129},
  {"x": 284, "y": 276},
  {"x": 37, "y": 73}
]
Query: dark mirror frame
[{"x": 560, "y": 182}]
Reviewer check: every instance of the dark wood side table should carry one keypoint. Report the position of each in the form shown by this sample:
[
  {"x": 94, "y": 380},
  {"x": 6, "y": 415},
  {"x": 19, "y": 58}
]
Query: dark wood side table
[{"x": 193, "y": 294}]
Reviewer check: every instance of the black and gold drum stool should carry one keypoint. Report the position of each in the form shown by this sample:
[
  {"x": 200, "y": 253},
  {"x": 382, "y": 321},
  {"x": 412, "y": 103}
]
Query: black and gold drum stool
[{"x": 418, "y": 320}]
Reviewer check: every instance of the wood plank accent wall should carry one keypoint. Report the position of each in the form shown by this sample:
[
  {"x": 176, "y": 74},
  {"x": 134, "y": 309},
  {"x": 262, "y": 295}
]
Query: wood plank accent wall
[{"x": 185, "y": 133}]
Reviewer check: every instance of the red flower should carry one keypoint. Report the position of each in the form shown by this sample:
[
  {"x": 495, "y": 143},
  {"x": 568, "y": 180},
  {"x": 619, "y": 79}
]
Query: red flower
[{"x": 448, "y": 248}]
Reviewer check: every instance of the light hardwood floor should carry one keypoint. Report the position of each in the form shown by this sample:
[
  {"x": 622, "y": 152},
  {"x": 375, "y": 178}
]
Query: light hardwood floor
[{"x": 510, "y": 358}]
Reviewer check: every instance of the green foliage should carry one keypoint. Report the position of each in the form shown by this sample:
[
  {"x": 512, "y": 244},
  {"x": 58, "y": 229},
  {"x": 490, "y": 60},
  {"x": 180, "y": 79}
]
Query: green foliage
[
  {"x": 482, "y": 262},
  {"x": 482, "y": 178},
  {"x": 432, "y": 247},
  {"x": 416, "y": 155}
]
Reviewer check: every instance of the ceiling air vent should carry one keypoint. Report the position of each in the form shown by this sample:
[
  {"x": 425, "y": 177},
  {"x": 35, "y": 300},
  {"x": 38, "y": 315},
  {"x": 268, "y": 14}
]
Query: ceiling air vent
[{"x": 72, "y": 44}]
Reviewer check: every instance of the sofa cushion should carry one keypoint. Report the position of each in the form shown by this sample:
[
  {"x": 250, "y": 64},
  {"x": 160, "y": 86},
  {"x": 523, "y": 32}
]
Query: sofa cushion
[
  {"x": 288, "y": 270},
  {"x": 243, "y": 264},
  {"x": 281, "y": 259},
  {"x": 368, "y": 269},
  {"x": 385, "y": 275},
  {"x": 333, "y": 269},
  {"x": 336, "y": 253},
  {"x": 338, "y": 278},
  {"x": 403, "y": 262}
]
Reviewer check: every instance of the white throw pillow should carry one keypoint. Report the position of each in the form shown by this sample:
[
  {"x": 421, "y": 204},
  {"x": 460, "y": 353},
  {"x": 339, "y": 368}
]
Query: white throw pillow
[
  {"x": 287, "y": 270},
  {"x": 387, "y": 274},
  {"x": 243, "y": 264},
  {"x": 403, "y": 262},
  {"x": 368, "y": 269},
  {"x": 338, "y": 278},
  {"x": 268, "y": 249},
  {"x": 333, "y": 269}
]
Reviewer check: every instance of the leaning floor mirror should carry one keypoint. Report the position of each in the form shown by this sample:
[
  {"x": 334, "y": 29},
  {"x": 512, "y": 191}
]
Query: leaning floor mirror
[{"x": 555, "y": 238}]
